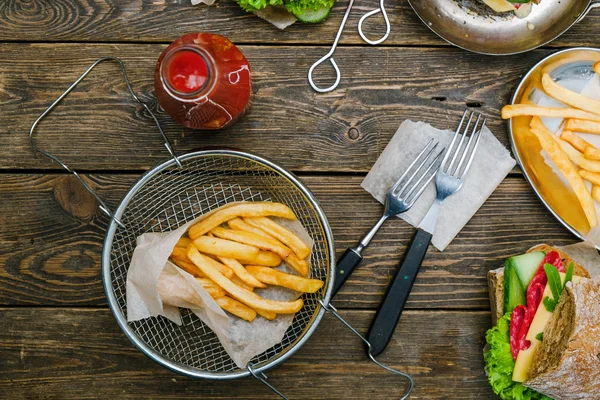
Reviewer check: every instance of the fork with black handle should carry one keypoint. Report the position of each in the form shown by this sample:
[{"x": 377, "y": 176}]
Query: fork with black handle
[
  {"x": 400, "y": 198},
  {"x": 448, "y": 180}
]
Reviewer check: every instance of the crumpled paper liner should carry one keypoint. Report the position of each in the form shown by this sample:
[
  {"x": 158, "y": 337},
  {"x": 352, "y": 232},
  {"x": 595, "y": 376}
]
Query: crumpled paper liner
[
  {"x": 490, "y": 166},
  {"x": 156, "y": 287},
  {"x": 276, "y": 15},
  {"x": 590, "y": 89}
]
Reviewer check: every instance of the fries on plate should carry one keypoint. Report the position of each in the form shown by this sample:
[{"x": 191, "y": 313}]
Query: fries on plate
[
  {"x": 264, "y": 258},
  {"x": 552, "y": 145},
  {"x": 583, "y": 126},
  {"x": 574, "y": 140},
  {"x": 212, "y": 288},
  {"x": 518, "y": 110},
  {"x": 569, "y": 97},
  {"x": 241, "y": 272},
  {"x": 597, "y": 67},
  {"x": 239, "y": 225}
]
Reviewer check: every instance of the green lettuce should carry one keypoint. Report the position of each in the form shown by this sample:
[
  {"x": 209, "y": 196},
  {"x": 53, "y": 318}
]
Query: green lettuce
[
  {"x": 294, "y": 6},
  {"x": 499, "y": 365}
]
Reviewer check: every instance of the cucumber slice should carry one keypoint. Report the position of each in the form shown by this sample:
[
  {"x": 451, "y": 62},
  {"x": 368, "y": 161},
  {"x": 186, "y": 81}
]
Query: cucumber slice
[
  {"x": 514, "y": 294},
  {"x": 526, "y": 265},
  {"x": 312, "y": 16}
]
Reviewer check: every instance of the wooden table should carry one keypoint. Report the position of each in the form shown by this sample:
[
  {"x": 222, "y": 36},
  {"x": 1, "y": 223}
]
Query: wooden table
[{"x": 58, "y": 337}]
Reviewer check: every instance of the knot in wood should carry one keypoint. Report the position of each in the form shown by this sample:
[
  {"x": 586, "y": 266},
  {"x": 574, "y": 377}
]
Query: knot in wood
[
  {"x": 353, "y": 134},
  {"x": 74, "y": 199}
]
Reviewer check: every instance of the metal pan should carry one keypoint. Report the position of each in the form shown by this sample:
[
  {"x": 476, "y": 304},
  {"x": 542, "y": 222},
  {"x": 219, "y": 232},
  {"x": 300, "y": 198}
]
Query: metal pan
[
  {"x": 473, "y": 26},
  {"x": 553, "y": 191}
]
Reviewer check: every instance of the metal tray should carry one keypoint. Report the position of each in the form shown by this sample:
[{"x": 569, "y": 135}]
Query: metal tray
[{"x": 554, "y": 193}]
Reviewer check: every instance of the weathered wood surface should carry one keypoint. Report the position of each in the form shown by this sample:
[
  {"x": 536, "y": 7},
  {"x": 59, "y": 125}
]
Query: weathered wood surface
[
  {"x": 98, "y": 127},
  {"x": 91, "y": 358},
  {"x": 163, "y": 21},
  {"x": 51, "y": 241}
]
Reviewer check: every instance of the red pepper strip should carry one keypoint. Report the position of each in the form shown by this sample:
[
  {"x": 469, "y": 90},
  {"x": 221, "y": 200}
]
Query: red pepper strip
[
  {"x": 535, "y": 291},
  {"x": 516, "y": 324}
]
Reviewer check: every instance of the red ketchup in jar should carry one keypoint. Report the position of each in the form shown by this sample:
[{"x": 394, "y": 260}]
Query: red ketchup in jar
[{"x": 203, "y": 81}]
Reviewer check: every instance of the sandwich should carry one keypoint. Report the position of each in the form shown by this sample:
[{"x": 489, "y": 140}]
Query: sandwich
[
  {"x": 546, "y": 340},
  {"x": 522, "y": 8}
]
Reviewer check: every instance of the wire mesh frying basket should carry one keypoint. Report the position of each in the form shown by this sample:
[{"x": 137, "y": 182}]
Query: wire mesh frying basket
[
  {"x": 169, "y": 196},
  {"x": 176, "y": 192}
]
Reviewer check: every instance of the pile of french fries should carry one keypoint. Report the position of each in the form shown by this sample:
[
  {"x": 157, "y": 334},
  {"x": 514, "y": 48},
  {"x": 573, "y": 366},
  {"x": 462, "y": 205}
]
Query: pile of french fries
[
  {"x": 577, "y": 159},
  {"x": 235, "y": 249}
]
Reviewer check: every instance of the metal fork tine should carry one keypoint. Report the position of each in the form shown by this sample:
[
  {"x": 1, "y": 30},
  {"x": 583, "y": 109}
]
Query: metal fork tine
[
  {"x": 393, "y": 189},
  {"x": 401, "y": 192},
  {"x": 472, "y": 156},
  {"x": 445, "y": 160},
  {"x": 428, "y": 176},
  {"x": 467, "y": 147},
  {"x": 457, "y": 151}
]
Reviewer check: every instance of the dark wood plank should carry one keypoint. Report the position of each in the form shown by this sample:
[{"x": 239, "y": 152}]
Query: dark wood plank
[
  {"x": 151, "y": 21},
  {"x": 97, "y": 126},
  {"x": 82, "y": 354},
  {"x": 51, "y": 239}
]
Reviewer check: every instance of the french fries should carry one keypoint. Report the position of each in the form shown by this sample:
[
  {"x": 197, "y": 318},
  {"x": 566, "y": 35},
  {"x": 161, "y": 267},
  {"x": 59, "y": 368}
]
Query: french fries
[
  {"x": 188, "y": 267},
  {"x": 248, "y": 209},
  {"x": 240, "y": 225},
  {"x": 184, "y": 242},
  {"x": 241, "y": 272},
  {"x": 518, "y": 110},
  {"x": 280, "y": 233},
  {"x": 569, "y": 97},
  {"x": 236, "y": 279},
  {"x": 580, "y": 125},
  {"x": 249, "y": 298},
  {"x": 574, "y": 140},
  {"x": 264, "y": 243},
  {"x": 597, "y": 67},
  {"x": 264, "y": 258},
  {"x": 225, "y": 248},
  {"x": 596, "y": 193},
  {"x": 266, "y": 314},
  {"x": 179, "y": 253},
  {"x": 275, "y": 277},
  {"x": 550, "y": 143},
  {"x": 592, "y": 153},
  {"x": 236, "y": 308},
  {"x": 252, "y": 239},
  {"x": 592, "y": 177},
  {"x": 212, "y": 288}
]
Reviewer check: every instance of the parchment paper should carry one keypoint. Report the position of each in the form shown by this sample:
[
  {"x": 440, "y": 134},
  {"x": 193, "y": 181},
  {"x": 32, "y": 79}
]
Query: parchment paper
[
  {"x": 156, "y": 287},
  {"x": 490, "y": 166},
  {"x": 589, "y": 88}
]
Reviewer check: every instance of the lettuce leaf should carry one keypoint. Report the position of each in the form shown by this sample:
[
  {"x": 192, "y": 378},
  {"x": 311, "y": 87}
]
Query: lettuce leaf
[
  {"x": 294, "y": 6},
  {"x": 499, "y": 365}
]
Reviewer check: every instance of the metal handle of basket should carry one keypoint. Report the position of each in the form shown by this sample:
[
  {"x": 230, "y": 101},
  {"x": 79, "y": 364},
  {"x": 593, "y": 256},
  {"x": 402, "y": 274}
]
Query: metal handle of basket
[
  {"x": 103, "y": 206},
  {"x": 329, "y": 307}
]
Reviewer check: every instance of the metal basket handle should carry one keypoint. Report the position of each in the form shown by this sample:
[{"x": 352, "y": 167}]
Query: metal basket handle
[
  {"x": 329, "y": 307},
  {"x": 103, "y": 206}
]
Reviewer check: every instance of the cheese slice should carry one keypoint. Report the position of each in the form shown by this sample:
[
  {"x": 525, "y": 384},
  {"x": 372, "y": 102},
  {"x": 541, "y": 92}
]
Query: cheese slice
[
  {"x": 499, "y": 6},
  {"x": 540, "y": 320}
]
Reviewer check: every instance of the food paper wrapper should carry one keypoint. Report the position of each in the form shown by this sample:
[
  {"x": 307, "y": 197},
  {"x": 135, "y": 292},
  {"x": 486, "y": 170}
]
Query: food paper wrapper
[
  {"x": 156, "y": 287},
  {"x": 587, "y": 87},
  {"x": 277, "y": 15},
  {"x": 490, "y": 166}
]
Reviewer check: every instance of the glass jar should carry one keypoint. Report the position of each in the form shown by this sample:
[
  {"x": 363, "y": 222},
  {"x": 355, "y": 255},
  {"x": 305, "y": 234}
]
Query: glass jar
[{"x": 202, "y": 81}]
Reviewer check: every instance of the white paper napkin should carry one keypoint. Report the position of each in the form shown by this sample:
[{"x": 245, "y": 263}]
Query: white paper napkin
[{"x": 490, "y": 166}]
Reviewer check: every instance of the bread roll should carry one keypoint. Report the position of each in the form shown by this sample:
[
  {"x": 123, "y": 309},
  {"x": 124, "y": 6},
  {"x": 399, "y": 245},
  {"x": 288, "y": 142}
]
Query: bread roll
[{"x": 567, "y": 364}]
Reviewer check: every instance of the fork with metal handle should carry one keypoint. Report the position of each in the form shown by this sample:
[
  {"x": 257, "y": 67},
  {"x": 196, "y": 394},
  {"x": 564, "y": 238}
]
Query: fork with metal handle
[
  {"x": 449, "y": 179},
  {"x": 400, "y": 197}
]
